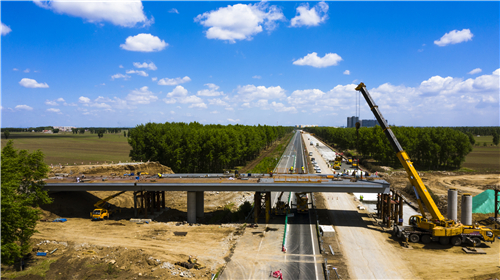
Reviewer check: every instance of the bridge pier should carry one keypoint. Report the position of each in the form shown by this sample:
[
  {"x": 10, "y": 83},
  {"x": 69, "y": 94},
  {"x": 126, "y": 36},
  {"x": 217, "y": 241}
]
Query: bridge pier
[
  {"x": 191, "y": 207},
  {"x": 268, "y": 207},
  {"x": 200, "y": 204}
]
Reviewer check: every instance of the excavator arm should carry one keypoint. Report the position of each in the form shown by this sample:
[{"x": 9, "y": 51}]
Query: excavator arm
[{"x": 421, "y": 191}]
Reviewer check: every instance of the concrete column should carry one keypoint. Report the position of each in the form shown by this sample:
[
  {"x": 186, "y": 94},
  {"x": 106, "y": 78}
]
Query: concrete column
[
  {"x": 135, "y": 204},
  {"x": 268, "y": 207},
  {"x": 191, "y": 207},
  {"x": 378, "y": 206},
  {"x": 256, "y": 207},
  {"x": 452, "y": 204},
  {"x": 146, "y": 204},
  {"x": 163, "y": 199},
  {"x": 200, "y": 204},
  {"x": 467, "y": 209}
]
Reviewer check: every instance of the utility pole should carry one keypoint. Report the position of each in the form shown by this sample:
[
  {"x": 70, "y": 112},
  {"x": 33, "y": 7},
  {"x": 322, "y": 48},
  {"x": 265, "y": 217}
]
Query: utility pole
[{"x": 496, "y": 207}]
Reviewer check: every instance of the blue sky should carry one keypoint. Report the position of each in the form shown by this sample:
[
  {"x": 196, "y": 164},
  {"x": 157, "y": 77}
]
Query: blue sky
[{"x": 121, "y": 64}]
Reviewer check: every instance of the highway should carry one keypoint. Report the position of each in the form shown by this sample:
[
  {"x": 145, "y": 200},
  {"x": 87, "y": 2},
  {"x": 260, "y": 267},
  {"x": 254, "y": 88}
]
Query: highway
[{"x": 301, "y": 244}]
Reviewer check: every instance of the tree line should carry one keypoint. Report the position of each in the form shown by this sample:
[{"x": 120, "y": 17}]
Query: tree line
[
  {"x": 197, "y": 148},
  {"x": 428, "y": 147},
  {"x": 479, "y": 130}
]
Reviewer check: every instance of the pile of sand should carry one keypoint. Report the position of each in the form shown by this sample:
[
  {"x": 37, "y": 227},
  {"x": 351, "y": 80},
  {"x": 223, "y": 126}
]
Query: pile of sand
[{"x": 108, "y": 169}]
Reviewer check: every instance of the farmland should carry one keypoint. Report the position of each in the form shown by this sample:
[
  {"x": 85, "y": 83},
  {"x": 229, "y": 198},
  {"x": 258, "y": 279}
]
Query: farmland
[
  {"x": 483, "y": 158},
  {"x": 73, "y": 148}
]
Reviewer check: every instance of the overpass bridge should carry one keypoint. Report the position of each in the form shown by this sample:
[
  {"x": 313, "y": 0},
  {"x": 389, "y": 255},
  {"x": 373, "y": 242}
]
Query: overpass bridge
[{"x": 150, "y": 195}]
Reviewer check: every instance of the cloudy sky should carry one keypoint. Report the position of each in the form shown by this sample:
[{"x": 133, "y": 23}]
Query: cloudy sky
[{"x": 122, "y": 64}]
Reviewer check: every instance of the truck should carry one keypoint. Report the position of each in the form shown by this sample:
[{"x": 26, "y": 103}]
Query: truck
[
  {"x": 338, "y": 162},
  {"x": 103, "y": 209},
  {"x": 421, "y": 228}
]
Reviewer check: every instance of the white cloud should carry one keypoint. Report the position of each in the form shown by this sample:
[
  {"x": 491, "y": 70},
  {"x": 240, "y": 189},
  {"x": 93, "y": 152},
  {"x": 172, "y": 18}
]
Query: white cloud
[
  {"x": 233, "y": 121},
  {"x": 123, "y": 13},
  {"x": 257, "y": 77},
  {"x": 475, "y": 71},
  {"x": 173, "y": 11},
  {"x": 179, "y": 91},
  {"x": 310, "y": 17},
  {"x": 218, "y": 102},
  {"x": 169, "y": 100},
  {"x": 5, "y": 29},
  {"x": 240, "y": 21},
  {"x": 138, "y": 72},
  {"x": 15, "y": 69},
  {"x": 30, "y": 83},
  {"x": 250, "y": 92},
  {"x": 307, "y": 96},
  {"x": 347, "y": 72},
  {"x": 454, "y": 37},
  {"x": 120, "y": 66},
  {"x": 154, "y": 79},
  {"x": 101, "y": 105},
  {"x": 144, "y": 43},
  {"x": 150, "y": 66},
  {"x": 211, "y": 91},
  {"x": 23, "y": 107},
  {"x": 54, "y": 110},
  {"x": 173, "y": 82},
  {"x": 120, "y": 76},
  {"x": 51, "y": 103},
  {"x": 214, "y": 112},
  {"x": 313, "y": 60},
  {"x": 84, "y": 100},
  {"x": 27, "y": 70},
  {"x": 280, "y": 107},
  {"x": 141, "y": 96}
]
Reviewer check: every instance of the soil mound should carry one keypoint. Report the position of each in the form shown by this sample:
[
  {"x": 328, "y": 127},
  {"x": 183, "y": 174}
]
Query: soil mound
[{"x": 108, "y": 169}]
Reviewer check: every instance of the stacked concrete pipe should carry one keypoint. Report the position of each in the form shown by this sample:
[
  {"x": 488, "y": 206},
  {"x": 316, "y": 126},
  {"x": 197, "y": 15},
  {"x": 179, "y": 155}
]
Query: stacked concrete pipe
[
  {"x": 452, "y": 204},
  {"x": 467, "y": 209}
]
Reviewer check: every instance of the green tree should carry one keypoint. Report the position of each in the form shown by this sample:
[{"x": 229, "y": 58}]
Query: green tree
[
  {"x": 6, "y": 133},
  {"x": 495, "y": 138},
  {"x": 471, "y": 138},
  {"x": 124, "y": 134},
  {"x": 55, "y": 130},
  {"x": 22, "y": 192}
]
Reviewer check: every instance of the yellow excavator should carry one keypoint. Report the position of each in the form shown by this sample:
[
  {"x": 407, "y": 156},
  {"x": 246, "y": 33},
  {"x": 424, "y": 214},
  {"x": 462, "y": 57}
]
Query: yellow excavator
[
  {"x": 420, "y": 228},
  {"x": 338, "y": 162},
  {"x": 281, "y": 208},
  {"x": 102, "y": 208}
]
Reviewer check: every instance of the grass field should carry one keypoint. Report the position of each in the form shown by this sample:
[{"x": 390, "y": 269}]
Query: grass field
[
  {"x": 483, "y": 158},
  {"x": 70, "y": 148}
]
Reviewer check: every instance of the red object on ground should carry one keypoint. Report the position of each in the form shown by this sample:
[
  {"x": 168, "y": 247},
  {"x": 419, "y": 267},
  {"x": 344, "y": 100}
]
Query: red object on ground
[{"x": 278, "y": 274}]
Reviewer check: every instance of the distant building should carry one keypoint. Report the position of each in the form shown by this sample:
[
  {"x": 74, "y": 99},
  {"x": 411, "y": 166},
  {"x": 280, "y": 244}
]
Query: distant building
[
  {"x": 64, "y": 128},
  {"x": 305, "y": 125},
  {"x": 351, "y": 121}
]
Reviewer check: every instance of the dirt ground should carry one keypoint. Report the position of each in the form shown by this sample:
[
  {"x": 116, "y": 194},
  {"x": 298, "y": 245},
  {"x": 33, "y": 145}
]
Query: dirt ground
[
  {"x": 117, "y": 248},
  {"x": 450, "y": 262}
]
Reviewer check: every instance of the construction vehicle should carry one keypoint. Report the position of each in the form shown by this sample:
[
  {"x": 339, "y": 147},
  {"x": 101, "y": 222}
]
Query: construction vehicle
[
  {"x": 281, "y": 208},
  {"x": 102, "y": 208},
  {"x": 302, "y": 202},
  {"x": 338, "y": 162},
  {"x": 355, "y": 163},
  {"x": 349, "y": 160},
  {"x": 420, "y": 228}
]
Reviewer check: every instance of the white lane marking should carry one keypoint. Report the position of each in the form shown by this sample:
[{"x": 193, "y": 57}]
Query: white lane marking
[{"x": 314, "y": 254}]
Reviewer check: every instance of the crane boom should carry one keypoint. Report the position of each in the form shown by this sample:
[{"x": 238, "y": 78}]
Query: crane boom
[{"x": 423, "y": 194}]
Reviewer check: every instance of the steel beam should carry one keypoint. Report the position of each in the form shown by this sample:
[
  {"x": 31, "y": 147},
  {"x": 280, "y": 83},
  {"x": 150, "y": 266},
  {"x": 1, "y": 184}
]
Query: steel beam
[{"x": 377, "y": 186}]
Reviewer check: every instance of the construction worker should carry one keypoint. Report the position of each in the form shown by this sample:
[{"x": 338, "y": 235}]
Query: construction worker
[
  {"x": 159, "y": 175},
  {"x": 303, "y": 171}
]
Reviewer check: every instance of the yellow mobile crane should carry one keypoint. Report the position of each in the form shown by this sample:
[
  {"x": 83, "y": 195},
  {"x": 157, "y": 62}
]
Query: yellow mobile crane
[
  {"x": 438, "y": 228},
  {"x": 102, "y": 210}
]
